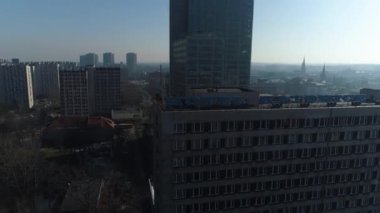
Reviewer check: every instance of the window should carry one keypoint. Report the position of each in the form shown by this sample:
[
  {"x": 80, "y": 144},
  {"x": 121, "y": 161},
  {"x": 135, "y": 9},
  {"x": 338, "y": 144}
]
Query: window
[
  {"x": 179, "y": 128},
  {"x": 197, "y": 127},
  {"x": 230, "y": 158},
  {"x": 231, "y": 125},
  {"x": 292, "y": 138},
  {"x": 178, "y": 145},
  {"x": 275, "y": 185},
  {"x": 254, "y": 141},
  {"x": 277, "y": 139},
  {"x": 292, "y": 154},
  {"x": 246, "y": 142},
  {"x": 214, "y": 126},
  {"x": 307, "y": 138},
  {"x": 239, "y": 125},
  {"x": 262, "y": 140},
  {"x": 247, "y": 125},
  {"x": 293, "y": 123},
  {"x": 346, "y": 150},
  {"x": 245, "y": 187},
  {"x": 305, "y": 153},
  {"x": 288, "y": 197},
  {"x": 261, "y": 156},
  {"x": 272, "y": 124},
  {"x": 197, "y": 144},
  {"x": 214, "y": 143},
  {"x": 263, "y": 124},
  {"x": 321, "y": 137},
  {"x": 277, "y": 155},
  {"x": 308, "y": 123},
  {"x": 230, "y": 173},
  {"x": 322, "y": 122},
  {"x": 180, "y": 194},
  {"x": 230, "y": 142},
  {"x": 246, "y": 157},
  {"x": 279, "y": 124},
  {"x": 178, "y": 162},
  {"x": 245, "y": 172},
  {"x": 179, "y": 178}
]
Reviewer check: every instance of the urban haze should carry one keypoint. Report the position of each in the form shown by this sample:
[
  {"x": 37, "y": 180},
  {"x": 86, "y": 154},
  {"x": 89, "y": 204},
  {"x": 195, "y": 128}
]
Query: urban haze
[{"x": 190, "y": 106}]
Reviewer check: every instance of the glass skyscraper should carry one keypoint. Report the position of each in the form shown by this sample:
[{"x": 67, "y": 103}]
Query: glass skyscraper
[{"x": 210, "y": 44}]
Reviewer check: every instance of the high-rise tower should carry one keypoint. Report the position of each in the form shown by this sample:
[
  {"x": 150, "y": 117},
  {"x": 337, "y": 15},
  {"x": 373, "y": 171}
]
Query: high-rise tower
[
  {"x": 131, "y": 62},
  {"x": 108, "y": 59},
  {"x": 89, "y": 59},
  {"x": 210, "y": 44}
]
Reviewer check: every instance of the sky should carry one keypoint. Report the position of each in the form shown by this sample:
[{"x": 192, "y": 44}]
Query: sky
[{"x": 284, "y": 31}]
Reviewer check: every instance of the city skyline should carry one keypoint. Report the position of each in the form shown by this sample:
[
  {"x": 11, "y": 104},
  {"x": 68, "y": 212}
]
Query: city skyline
[{"x": 340, "y": 31}]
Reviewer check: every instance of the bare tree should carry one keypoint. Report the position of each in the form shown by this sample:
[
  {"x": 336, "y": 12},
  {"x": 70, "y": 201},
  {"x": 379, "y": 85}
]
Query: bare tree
[{"x": 20, "y": 164}]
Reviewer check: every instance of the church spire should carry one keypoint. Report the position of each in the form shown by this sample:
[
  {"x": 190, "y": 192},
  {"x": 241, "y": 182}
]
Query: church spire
[
  {"x": 303, "y": 67},
  {"x": 323, "y": 74}
]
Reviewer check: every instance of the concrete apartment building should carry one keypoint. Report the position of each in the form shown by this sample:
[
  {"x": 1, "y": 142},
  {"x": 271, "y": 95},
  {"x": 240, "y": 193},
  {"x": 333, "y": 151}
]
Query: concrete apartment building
[
  {"x": 16, "y": 87},
  {"x": 74, "y": 92},
  {"x": 221, "y": 155},
  {"x": 46, "y": 80},
  {"x": 104, "y": 90},
  {"x": 90, "y": 91}
]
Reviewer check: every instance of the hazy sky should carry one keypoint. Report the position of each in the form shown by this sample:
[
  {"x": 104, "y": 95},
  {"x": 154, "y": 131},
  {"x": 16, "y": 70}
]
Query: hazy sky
[{"x": 324, "y": 31}]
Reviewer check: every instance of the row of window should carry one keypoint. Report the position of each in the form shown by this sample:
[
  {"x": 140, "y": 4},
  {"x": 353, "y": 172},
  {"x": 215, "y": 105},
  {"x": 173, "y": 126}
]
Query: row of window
[
  {"x": 212, "y": 191},
  {"x": 195, "y": 177},
  {"x": 252, "y": 141},
  {"x": 249, "y": 125},
  {"x": 261, "y": 201},
  {"x": 275, "y": 185},
  {"x": 278, "y": 155}
]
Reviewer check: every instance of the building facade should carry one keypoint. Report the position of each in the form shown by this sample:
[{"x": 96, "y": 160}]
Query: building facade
[
  {"x": 15, "y": 61},
  {"x": 210, "y": 44},
  {"x": 131, "y": 62},
  {"x": 46, "y": 80},
  {"x": 90, "y": 91},
  {"x": 108, "y": 59},
  {"x": 285, "y": 160},
  {"x": 73, "y": 92},
  {"x": 104, "y": 90},
  {"x": 89, "y": 59},
  {"x": 16, "y": 86}
]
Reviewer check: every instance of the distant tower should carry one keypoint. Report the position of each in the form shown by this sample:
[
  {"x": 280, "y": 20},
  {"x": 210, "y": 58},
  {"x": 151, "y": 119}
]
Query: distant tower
[
  {"x": 108, "y": 59},
  {"x": 15, "y": 61},
  {"x": 303, "y": 67},
  {"x": 323, "y": 74},
  {"x": 89, "y": 59},
  {"x": 132, "y": 62}
]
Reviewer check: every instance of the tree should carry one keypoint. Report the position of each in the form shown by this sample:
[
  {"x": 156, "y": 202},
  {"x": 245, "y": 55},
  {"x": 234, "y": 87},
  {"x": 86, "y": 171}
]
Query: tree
[{"x": 20, "y": 171}]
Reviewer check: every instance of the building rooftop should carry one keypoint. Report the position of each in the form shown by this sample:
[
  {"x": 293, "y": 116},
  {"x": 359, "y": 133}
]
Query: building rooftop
[
  {"x": 265, "y": 102},
  {"x": 220, "y": 90}
]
